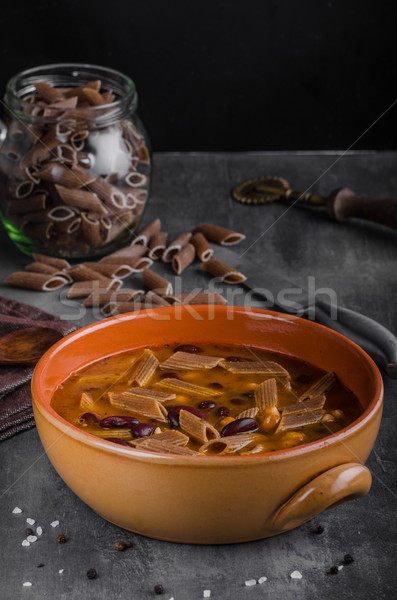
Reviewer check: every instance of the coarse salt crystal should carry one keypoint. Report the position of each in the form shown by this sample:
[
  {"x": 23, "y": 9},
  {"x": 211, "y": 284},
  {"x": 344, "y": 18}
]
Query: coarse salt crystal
[
  {"x": 250, "y": 582},
  {"x": 17, "y": 510},
  {"x": 39, "y": 530},
  {"x": 60, "y": 571},
  {"x": 25, "y": 543},
  {"x": 54, "y": 524},
  {"x": 340, "y": 567},
  {"x": 30, "y": 521},
  {"x": 207, "y": 594},
  {"x": 27, "y": 584},
  {"x": 32, "y": 538},
  {"x": 262, "y": 579},
  {"x": 296, "y": 575}
]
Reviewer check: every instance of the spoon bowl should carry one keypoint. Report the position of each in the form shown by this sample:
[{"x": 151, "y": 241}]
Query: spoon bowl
[{"x": 26, "y": 346}]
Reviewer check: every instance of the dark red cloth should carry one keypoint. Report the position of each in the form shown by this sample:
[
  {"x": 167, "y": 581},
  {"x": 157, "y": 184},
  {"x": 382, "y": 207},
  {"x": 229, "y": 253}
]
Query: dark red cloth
[{"x": 15, "y": 400}]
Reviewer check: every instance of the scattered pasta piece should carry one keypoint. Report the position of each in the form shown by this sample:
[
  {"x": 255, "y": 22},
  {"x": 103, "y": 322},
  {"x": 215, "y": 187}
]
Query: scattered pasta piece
[
  {"x": 190, "y": 361},
  {"x": 197, "y": 429},
  {"x": 266, "y": 394},
  {"x": 145, "y": 370},
  {"x": 183, "y": 387},
  {"x": 320, "y": 387}
]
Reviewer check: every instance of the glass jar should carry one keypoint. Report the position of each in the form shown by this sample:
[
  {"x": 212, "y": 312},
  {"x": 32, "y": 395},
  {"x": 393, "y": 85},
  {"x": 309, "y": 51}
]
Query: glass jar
[{"x": 75, "y": 161}]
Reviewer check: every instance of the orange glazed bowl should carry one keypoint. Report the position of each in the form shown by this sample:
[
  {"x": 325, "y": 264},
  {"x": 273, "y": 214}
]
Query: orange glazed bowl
[{"x": 210, "y": 499}]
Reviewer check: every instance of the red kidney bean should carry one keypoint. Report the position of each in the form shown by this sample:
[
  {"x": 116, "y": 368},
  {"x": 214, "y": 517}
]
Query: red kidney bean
[
  {"x": 118, "y": 441},
  {"x": 188, "y": 348},
  {"x": 173, "y": 413},
  {"x": 239, "y": 401},
  {"x": 118, "y": 421},
  {"x": 240, "y": 426},
  {"x": 207, "y": 404},
  {"x": 222, "y": 411},
  {"x": 169, "y": 376},
  {"x": 143, "y": 430},
  {"x": 216, "y": 386},
  {"x": 237, "y": 359},
  {"x": 89, "y": 417}
]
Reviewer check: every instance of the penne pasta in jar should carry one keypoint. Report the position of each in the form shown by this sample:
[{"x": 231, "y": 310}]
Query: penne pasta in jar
[{"x": 207, "y": 400}]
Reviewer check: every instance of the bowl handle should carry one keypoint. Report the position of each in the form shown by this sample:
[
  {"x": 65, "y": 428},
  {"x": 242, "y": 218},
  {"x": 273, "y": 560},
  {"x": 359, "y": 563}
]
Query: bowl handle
[{"x": 337, "y": 485}]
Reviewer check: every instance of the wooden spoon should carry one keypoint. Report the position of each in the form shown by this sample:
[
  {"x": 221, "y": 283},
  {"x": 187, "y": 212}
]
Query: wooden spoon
[{"x": 26, "y": 346}]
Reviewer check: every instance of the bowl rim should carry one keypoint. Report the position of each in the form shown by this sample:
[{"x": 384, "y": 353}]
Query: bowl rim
[{"x": 204, "y": 460}]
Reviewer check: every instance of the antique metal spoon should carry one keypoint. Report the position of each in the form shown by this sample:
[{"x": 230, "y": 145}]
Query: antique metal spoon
[
  {"x": 341, "y": 203},
  {"x": 26, "y": 346}
]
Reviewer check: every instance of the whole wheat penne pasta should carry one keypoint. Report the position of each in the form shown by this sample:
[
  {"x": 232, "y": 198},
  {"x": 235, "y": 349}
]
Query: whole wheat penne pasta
[
  {"x": 39, "y": 282},
  {"x": 91, "y": 229},
  {"x": 83, "y": 273},
  {"x": 155, "y": 282},
  {"x": 110, "y": 269},
  {"x": 228, "y": 445},
  {"x": 108, "y": 96},
  {"x": 189, "y": 361},
  {"x": 102, "y": 298},
  {"x": 79, "y": 135},
  {"x": 61, "y": 213},
  {"x": 129, "y": 198},
  {"x": 121, "y": 308},
  {"x": 41, "y": 216},
  {"x": 56, "y": 109},
  {"x": 117, "y": 227},
  {"x": 220, "y": 235},
  {"x": 42, "y": 149},
  {"x": 59, "y": 263},
  {"x": 172, "y": 436},
  {"x": 31, "y": 174},
  {"x": 320, "y": 387},
  {"x": 82, "y": 289},
  {"x": 265, "y": 394},
  {"x": 183, "y": 387},
  {"x": 152, "y": 409},
  {"x": 139, "y": 392},
  {"x": 300, "y": 420},
  {"x": 151, "y": 445},
  {"x": 22, "y": 189},
  {"x": 47, "y": 92},
  {"x": 135, "y": 179},
  {"x": 66, "y": 154},
  {"x": 203, "y": 249},
  {"x": 250, "y": 413},
  {"x": 197, "y": 429},
  {"x": 196, "y": 298},
  {"x": 137, "y": 264},
  {"x": 81, "y": 199},
  {"x": 120, "y": 433},
  {"x": 219, "y": 269},
  {"x": 93, "y": 97},
  {"x": 140, "y": 196},
  {"x": 304, "y": 405},
  {"x": 78, "y": 90},
  {"x": 133, "y": 251},
  {"x": 147, "y": 233},
  {"x": 38, "y": 231},
  {"x": 111, "y": 195},
  {"x": 157, "y": 245},
  {"x": 255, "y": 367},
  {"x": 145, "y": 369},
  {"x": 155, "y": 299},
  {"x": 175, "y": 247},
  {"x": 183, "y": 258},
  {"x": 87, "y": 402},
  {"x": 73, "y": 177},
  {"x": 35, "y": 203},
  {"x": 37, "y": 267},
  {"x": 11, "y": 150}
]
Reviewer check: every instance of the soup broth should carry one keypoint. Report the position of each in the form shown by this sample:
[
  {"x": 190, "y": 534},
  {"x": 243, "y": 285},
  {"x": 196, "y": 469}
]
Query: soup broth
[{"x": 207, "y": 400}]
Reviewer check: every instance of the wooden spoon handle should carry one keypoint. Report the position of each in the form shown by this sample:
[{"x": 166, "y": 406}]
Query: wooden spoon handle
[{"x": 344, "y": 203}]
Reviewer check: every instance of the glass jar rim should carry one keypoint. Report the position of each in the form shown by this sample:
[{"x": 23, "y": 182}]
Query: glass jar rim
[{"x": 18, "y": 87}]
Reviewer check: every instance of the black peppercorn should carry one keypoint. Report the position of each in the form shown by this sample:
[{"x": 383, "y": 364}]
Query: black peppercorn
[
  {"x": 319, "y": 529},
  {"x": 348, "y": 559},
  {"x": 158, "y": 589},
  {"x": 128, "y": 544},
  {"x": 61, "y": 539},
  {"x": 40, "y": 565},
  {"x": 120, "y": 546},
  {"x": 334, "y": 570},
  {"x": 92, "y": 574},
  {"x": 29, "y": 531}
]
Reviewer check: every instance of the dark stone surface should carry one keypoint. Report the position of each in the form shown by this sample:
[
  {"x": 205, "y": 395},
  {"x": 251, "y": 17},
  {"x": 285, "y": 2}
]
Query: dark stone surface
[{"x": 358, "y": 261}]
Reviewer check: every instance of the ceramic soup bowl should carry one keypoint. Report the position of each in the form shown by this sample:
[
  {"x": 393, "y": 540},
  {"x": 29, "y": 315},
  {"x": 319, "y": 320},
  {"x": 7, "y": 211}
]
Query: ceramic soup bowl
[{"x": 210, "y": 499}]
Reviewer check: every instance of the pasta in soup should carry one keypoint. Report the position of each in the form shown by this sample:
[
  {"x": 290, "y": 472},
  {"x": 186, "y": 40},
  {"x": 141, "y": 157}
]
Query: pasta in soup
[{"x": 205, "y": 400}]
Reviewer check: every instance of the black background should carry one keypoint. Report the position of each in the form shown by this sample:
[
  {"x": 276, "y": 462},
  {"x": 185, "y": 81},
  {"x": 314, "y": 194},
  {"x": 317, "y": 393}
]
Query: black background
[{"x": 229, "y": 75}]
